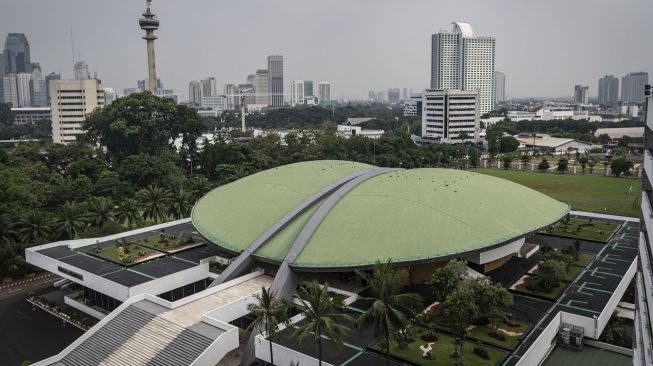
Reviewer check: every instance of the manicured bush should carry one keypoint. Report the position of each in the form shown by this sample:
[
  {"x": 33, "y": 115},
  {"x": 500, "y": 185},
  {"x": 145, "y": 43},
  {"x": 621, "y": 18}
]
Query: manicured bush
[
  {"x": 497, "y": 335},
  {"x": 429, "y": 336},
  {"x": 481, "y": 352}
]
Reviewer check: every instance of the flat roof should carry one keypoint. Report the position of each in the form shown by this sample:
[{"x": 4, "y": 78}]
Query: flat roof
[
  {"x": 589, "y": 356},
  {"x": 407, "y": 216}
]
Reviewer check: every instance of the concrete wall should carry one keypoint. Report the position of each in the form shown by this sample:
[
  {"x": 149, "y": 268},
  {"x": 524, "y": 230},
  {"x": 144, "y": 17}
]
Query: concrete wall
[
  {"x": 83, "y": 308},
  {"x": 542, "y": 345}
]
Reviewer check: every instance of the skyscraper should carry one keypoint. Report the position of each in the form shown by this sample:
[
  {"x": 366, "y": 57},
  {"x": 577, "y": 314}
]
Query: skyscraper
[
  {"x": 209, "y": 87},
  {"x": 275, "y": 84},
  {"x": 81, "y": 71},
  {"x": 632, "y": 87},
  {"x": 462, "y": 60},
  {"x": 324, "y": 92},
  {"x": 48, "y": 79},
  {"x": 297, "y": 92},
  {"x": 16, "y": 55},
  {"x": 308, "y": 88},
  {"x": 261, "y": 86},
  {"x": 149, "y": 23},
  {"x": 23, "y": 90},
  {"x": 195, "y": 89},
  {"x": 581, "y": 94},
  {"x": 71, "y": 101},
  {"x": 38, "y": 92},
  {"x": 231, "y": 97},
  {"x": 9, "y": 92},
  {"x": 608, "y": 90},
  {"x": 499, "y": 87},
  {"x": 393, "y": 95}
]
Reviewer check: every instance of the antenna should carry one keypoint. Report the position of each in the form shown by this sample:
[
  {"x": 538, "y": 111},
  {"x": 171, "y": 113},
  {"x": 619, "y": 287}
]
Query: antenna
[{"x": 72, "y": 48}]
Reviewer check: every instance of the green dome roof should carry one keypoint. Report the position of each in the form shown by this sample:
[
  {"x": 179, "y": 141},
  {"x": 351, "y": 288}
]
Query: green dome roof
[{"x": 407, "y": 216}]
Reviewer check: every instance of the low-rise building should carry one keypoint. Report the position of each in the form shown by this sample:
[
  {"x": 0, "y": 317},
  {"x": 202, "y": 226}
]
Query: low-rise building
[
  {"x": 617, "y": 134},
  {"x": 557, "y": 145},
  {"x": 71, "y": 101},
  {"x": 450, "y": 116},
  {"x": 413, "y": 106},
  {"x": 551, "y": 114},
  {"x": 349, "y": 131},
  {"x": 30, "y": 115}
]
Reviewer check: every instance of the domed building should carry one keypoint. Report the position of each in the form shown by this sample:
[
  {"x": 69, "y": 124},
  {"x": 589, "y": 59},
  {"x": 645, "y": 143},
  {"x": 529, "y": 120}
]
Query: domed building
[{"x": 338, "y": 216}]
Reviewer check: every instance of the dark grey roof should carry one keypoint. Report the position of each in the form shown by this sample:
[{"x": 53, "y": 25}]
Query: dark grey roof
[
  {"x": 91, "y": 264},
  {"x": 127, "y": 277},
  {"x": 164, "y": 266},
  {"x": 136, "y": 336}
]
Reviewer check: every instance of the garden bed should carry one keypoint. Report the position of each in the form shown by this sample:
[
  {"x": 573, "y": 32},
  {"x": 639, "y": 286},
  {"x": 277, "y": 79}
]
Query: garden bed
[
  {"x": 169, "y": 244},
  {"x": 441, "y": 351},
  {"x": 584, "y": 229},
  {"x": 132, "y": 254},
  {"x": 217, "y": 267},
  {"x": 583, "y": 259},
  {"x": 553, "y": 295},
  {"x": 571, "y": 273}
]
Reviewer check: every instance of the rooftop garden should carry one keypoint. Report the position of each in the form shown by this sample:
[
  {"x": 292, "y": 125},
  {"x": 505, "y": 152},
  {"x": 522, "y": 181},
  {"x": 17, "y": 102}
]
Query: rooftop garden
[
  {"x": 169, "y": 243},
  {"x": 585, "y": 229},
  {"x": 125, "y": 253}
]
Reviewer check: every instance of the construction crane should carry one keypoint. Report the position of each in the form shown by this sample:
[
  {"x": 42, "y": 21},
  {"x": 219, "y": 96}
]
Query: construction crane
[{"x": 242, "y": 94}]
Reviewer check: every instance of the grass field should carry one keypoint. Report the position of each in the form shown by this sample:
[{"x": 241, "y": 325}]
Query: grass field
[
  {"x": 133, "y": 254},
  {"x": 442, "y": 350},
  {"x": 583, "y": 229},
  {"x": 608, "y": 195},
  {"x": 583, "y": 259}
]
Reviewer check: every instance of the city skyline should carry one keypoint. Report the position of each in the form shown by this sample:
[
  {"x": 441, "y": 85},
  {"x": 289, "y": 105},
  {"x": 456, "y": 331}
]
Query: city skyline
[{"x": 330, "y": 53}]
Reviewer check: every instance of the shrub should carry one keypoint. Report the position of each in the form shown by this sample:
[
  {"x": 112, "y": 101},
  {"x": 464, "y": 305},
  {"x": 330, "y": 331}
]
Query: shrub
[
  {"x": 429, "y": 336},
  {"x": 481, "y": 352},
  {"x": 497, "y": 335}
]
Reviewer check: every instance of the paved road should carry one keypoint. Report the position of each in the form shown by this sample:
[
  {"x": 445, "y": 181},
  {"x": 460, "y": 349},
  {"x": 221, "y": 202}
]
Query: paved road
[{"x": 28, "y": 334}]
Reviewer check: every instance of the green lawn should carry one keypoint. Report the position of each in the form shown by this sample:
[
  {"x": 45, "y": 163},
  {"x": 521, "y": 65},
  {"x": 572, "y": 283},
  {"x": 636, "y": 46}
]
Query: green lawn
[
  {"x": 584, "y": 229},
  {"x": 441, "y": 350},
  {"x": 133, "y": 254},
  {"x": 572, "y": 272},
  {"x": 583, "y": 259},
  {"x": 607, "y": 195},
  {"x": 551, "y": 295},
  {"x": 168, "y": 243}
]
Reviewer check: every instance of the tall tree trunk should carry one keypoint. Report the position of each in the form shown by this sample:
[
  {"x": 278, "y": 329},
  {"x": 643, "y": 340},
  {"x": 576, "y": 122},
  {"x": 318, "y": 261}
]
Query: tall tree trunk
[
  {"x": 387, "y": 348},
  {"x": 270, "y": 340},
  {"x": 319, "y": 351}
]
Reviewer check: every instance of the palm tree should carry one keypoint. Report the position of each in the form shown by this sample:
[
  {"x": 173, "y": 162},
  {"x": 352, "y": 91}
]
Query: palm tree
[
  {"x": 72, "y": 218},
  {"x": 6, "y": 232},
  {"x": 155, "y": 201},
  {"x": 322, "y": 315},
  {"x": 101, "y": 211},
  {"x": 34, "y": 227},
  {"x": 199, "y": 186},
  {"x": 269, "y": 312},
  {"x": 180, "y": 205},
  {"x": 391, "y": 310},
  {"x": 128, "y": 210}
]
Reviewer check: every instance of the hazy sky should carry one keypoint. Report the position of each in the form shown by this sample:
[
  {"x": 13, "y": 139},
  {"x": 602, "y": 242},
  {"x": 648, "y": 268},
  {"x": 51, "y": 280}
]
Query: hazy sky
[{"x": 544, "y": 47}]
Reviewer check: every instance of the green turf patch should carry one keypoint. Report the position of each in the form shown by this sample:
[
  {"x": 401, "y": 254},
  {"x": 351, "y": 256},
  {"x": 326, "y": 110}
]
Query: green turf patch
[
  {"x": 583, "y": 259},
  {"x": 608, "y": 195},
  {"x": 169, "y": 243},
  {"x": 584, "y": 229},
  {"x": 555, "y": 292},
  {"x": 217, "y": 267},
  {"x": 441, "y": 351},
  {"x": 131, "y": 254}
]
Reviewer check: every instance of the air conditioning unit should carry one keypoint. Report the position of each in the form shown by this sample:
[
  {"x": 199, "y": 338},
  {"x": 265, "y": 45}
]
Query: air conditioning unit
[{"x": 571, "y": 336}]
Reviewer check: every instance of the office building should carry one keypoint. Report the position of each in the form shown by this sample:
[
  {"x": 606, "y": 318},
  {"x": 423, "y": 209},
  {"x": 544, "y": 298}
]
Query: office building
[
  {"x": 16, "y": 55},
  {"x": 38, "y": 91},
  {"x": 261, "y": 86},
  {"x": 394, "y": 95},
  {"x": 450, "y": 116},
  {"x": 308, "y": 88},
  {"x": 462, "y": 60},
  {"x": 413, "y": 106},
  {"x": 632, "y": 87},
  {"x": 643, "y": 324},
  {"x": 70, "y": 102},
  {"x": 215, "y": 102},
  {"x": 231, "y": 97},
  {"x": 209, "y": 87},
  {"x": 48, "y": 79},
  {"x": 275, "y": 82},
  {"x": 109, "y": 95},
  {"x": 9, "y": 90},
  {"x": 195, "y": 89},
  {"x": 297, "y": 92},
  {"x": 499, "y": 87},
  {"x": 81, "y": 71},
  {"x": 608, "y": 90},
  {"x": 404, "y": 96},
  {"x": 581, "y": 94},
  {"x": 23, "y": 90},
  {"x": 30, "y": 115},
  {"x": 324, "y": 92}
]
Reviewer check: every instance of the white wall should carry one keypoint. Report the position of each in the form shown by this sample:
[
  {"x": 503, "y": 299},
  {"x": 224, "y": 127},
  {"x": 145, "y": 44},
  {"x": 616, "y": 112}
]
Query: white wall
[{"x": 542, "y": 345}]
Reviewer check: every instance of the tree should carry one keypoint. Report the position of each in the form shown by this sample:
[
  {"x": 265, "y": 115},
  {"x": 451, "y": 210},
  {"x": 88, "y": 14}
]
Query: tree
[
  {"x": 474, "y": 155},
  {"x": 604, "y": 139},
  {"x": 323, "y": 316},
  {"x": 391, "y": 309},
  {"x": 525, "y": 158},
  {"x": 101, "y": 211},
  {"x": 180, "y": 204},
  {"x": 493, "y": 300},
  {"x": 72, "y": 218},
  {"x": 446, "y": 279},
  {"x": 34, "y": 227},
  {"x": 591, "y": 164},
  {"x": 543, "y": 165},
  {"x": 155, "y": 201},
  {"x": 549, "y": 274},
  {"x": 562, "y": 165},
  {"x": 508, "y": 144},
  {"x": 621, "y": 166},
  {"x": 129, "y": 211},
  {"x": 460, "y": 311},
  {"x": 268, "y": 312},
  {"x": 197, "y": 188},
  {"x": 583, "y": 163},
  {"x": 624, "y": 141},
  {"x": 507, "y": 160}
]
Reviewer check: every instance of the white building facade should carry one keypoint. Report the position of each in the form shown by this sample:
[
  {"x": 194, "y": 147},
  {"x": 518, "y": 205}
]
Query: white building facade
[
  {"x": 70, "y": 102},
  {"x": 499, "y": 87},
  {"x": 462, "y": 60},
  {"x": 297, "y": 92},
  {"x": 323, "y": 92},
  {"x": 450, "y": 116}
]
